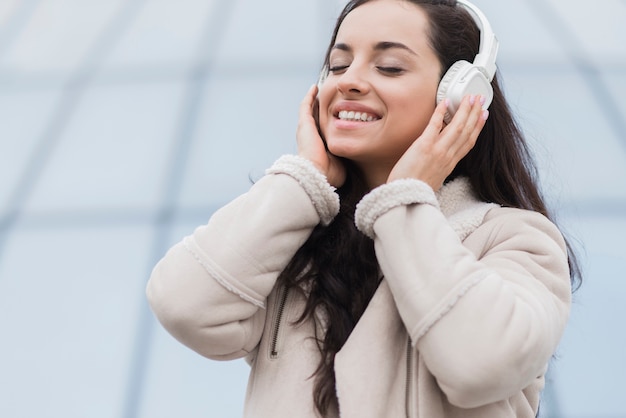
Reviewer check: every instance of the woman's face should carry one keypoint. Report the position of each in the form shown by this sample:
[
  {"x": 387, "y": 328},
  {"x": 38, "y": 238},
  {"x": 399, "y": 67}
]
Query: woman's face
[{"x": 382, "y": 85}]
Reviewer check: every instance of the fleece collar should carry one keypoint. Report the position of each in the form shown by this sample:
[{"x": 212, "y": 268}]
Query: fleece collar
[{"x": 461, "y": 207}]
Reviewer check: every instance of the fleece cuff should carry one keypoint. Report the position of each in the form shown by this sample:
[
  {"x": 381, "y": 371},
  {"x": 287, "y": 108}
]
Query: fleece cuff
[
  {"x": 322, "y": 194},
  {"x": 388, "y": 196}
]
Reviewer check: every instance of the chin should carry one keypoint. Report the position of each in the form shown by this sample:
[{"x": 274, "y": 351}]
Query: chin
[{"x": 343, "y": 150}]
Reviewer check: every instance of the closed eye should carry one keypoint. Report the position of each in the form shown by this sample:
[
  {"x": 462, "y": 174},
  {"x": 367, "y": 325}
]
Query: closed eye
[
  {"x": 391, "y": 70},
  {"x": 337, "y": 68}
]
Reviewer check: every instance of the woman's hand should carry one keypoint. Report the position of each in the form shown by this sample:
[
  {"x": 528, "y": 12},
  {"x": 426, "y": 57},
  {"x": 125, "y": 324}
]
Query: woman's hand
[
  {"x": 432, "y": 157},
  {"x": 311, "y": 146}
]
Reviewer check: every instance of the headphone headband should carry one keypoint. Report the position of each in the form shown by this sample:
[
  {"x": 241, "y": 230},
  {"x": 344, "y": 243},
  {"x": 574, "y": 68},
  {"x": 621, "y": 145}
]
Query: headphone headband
[{"x": 486, "y": 58}]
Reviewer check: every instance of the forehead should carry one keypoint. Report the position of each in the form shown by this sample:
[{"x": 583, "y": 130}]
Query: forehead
[{"x": 386, "y": 20}]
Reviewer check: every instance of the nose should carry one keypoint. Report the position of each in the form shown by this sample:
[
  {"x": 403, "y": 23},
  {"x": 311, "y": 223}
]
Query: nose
[{"x": 353, "y": 81}]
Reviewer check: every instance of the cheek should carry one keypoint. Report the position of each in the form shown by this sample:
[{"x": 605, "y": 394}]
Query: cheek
[
  {"x": 414, "y": 113},
  {"x": 421, "y": 103}
]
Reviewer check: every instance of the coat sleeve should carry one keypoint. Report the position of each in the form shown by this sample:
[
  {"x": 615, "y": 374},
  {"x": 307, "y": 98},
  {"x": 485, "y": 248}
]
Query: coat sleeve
[
  {"x": 485, "y": 314},
  {"x": 209, "y": 291}
]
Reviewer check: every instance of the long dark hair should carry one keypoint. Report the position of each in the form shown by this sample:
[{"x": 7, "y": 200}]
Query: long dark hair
[{"x": 337, "y": 264}]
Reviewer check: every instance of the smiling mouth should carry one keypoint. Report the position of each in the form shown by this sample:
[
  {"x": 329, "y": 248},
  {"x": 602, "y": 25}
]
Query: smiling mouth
[{"x": 349, "y": 115}]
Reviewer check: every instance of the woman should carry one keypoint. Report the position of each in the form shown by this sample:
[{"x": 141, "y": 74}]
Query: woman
[{"x": 399, "y": 265}]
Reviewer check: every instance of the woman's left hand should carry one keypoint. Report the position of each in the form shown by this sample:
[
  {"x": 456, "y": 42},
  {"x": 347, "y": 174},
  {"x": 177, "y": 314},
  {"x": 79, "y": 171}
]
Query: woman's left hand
[{"x": 432, "y": 157}]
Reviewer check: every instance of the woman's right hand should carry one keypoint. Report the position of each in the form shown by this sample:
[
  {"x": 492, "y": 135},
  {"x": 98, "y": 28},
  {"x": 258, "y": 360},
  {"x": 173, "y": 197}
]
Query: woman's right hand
[{"x": 311, "y": 146}]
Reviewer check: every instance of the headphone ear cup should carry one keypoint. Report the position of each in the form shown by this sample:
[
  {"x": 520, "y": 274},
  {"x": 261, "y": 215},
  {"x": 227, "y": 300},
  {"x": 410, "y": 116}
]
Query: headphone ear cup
[
  {"x": 447, "y": 81},
  {"x": 460, "y": 80},
  {"x": 448, "y": 78}
]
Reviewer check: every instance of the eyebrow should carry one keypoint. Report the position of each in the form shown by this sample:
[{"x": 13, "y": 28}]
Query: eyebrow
[{"x": 380, "y": 46}]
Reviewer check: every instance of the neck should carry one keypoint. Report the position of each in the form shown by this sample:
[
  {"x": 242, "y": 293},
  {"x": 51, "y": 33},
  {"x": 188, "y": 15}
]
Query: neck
[{"x": 374, "y": 174}]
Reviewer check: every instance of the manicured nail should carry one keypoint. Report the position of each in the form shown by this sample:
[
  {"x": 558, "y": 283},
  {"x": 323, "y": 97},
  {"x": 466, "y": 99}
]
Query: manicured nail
[
  {"x": 483, "y": 99},
  {"x": 472, "y": 99},
  {"x": 446, "y": 102},
  {"x": 485, "y": 114}
]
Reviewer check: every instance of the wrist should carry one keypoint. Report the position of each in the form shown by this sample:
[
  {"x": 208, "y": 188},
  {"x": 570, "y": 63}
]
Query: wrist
[
  {"x": 314, "y": 183},
  {"x": 388, "y": 196}
]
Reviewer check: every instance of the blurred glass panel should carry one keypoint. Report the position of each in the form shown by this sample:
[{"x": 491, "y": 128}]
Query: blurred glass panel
[
  {"x": 594, "y": 344},
  {"x": 25, "y": 115},
  {"x": 166, "y": 34},
  {"x": 576, "y": 148},
  {"x": 69, "y": 299},
  {"x": 7, "y": 10},
  {"x": 114, "y": 152},
  {"x": 58, "y": 36},
  {"x": 523, "y": 37},
  {"x": 239, "y": 135},
  {"x": 598, "y": 27},
  {"x": 615, "y": 79},
  {"x": 286, "y": 32},
  {"x": 181, "y": 383}
]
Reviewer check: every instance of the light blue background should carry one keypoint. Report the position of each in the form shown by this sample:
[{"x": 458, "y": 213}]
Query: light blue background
[{"x": 124, "y": 124}]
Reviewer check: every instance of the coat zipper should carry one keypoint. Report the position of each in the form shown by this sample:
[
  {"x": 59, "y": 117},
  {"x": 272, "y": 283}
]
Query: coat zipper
[
  {"x": 409, "y": 377},
  {"x": 282, "y": 297}
]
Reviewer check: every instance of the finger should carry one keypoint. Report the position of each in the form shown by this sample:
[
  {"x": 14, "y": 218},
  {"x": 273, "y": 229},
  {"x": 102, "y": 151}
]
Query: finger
[
  {"x": 475, "y": 123},
  {"x": 308, "y": 139},
  {"x": 306, "y": 121},
  {"x": 460, "y": 117},
  {"x": 436, "y": 123},
  {"x": 474, "y": 112},
  {"x": 478, "y": 116},
  {"x": 455, "y": 133},
  {"x": 307, "y": 102},
  {"x": 483, "y": 115},
  {"x": 463, "y": 125}
]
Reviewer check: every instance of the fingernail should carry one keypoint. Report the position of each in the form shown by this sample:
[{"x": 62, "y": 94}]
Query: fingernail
[
  {"x": 472, "y": 99},
  {"x": 447, "y": 102},
  {"x": 485, "y": 114},
  {"x": 483, "y": 99}
]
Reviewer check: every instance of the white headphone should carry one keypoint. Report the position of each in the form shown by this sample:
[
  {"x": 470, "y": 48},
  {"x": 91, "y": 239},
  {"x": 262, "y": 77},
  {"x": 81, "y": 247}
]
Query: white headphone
[{"x": 463, "y": 78}]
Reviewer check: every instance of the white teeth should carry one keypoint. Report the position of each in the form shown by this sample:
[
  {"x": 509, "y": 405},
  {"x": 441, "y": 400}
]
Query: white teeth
[{"x": 360, "y": 116}]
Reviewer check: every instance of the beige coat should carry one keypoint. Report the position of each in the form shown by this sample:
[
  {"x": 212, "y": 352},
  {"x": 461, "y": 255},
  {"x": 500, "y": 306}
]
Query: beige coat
[{"x": 474, "y": 300}]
